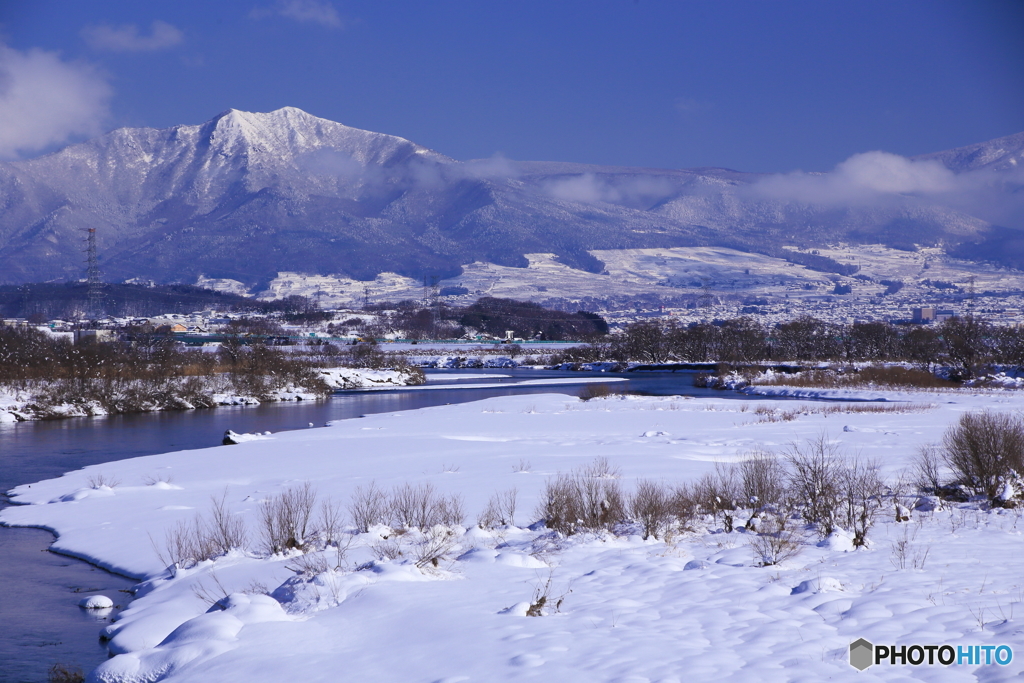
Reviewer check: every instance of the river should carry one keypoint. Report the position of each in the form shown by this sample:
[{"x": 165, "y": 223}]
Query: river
[{"x": 42, "y": 623}]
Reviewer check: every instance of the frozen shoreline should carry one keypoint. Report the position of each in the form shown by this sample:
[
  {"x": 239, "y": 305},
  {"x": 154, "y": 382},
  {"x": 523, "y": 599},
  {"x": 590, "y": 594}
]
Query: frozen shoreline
[{"x": 636, "y": 608}]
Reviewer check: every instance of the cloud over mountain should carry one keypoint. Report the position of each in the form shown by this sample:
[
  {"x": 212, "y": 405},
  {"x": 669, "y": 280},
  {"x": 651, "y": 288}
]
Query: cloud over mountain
[{"x": 45, "y": 100}]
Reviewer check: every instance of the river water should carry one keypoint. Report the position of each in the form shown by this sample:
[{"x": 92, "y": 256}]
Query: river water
[{"x": 40, "y": 622}]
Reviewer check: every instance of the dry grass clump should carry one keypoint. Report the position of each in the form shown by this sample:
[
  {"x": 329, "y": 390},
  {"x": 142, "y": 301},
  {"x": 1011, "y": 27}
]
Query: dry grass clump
[
  {"x": 771, "y": 414},
  {"x": 65, "y": 673},
  {"x": 873, "y": 375},
  {"x": 590, "y": 391}
]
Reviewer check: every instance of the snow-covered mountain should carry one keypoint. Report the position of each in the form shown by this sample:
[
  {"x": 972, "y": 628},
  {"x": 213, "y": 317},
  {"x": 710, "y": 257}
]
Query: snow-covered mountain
[{"x": 247, "y": 195}]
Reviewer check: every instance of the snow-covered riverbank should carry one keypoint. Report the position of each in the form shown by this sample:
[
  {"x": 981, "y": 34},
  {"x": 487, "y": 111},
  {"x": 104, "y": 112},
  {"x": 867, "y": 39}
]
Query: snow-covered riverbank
[
  {"x": 692, "y": 606},
  {"x": 37, "y": 401}
]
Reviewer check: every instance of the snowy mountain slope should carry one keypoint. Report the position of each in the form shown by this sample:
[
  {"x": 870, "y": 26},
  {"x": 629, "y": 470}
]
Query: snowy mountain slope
[
  {"x": 245, "y": 196},
  {"x": 1001, "y": 154}
]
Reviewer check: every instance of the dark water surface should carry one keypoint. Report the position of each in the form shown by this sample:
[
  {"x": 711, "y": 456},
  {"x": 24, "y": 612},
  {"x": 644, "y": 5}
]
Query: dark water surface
[{"x": 40, "y": 622}]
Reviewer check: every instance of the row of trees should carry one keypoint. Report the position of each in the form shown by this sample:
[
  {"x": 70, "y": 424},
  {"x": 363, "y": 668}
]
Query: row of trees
[
  {"x": 27, "y": 354},
  {"x": 965, "y": 343}
]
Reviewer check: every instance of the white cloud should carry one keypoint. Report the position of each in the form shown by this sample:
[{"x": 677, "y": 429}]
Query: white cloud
[
  {"x": 633, "y": 191},
  {"x": 496, "y": 167},
  {"x": 45, "y": 100},
  {"x": 126, "y": 38},
  {"x": 879, "y": 179},
  {"x": 314, "y": 11},
  {"x": 863, "y": 178}
]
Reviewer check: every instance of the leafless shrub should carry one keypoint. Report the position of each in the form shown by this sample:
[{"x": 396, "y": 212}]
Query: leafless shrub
[
  {"x": 522, "y": 467},
  {"x": 154, "y": 479},
  {"x": 500, "y": 510},
  {"x": 762, "y": 479},
  {"x": 775, "y": 541},
  {"x": 329, "y": 521},
  {"x": 189, "y": 543},
  {"x": 683, "y": 505},
  {"x": 717, "y": 492},
  {"x": 421, "y": 507},
  {"x": 543, "y": 602},
  {"x": 438, "y": 542},
  {"x": 861, "y": 496},
  {"x": 589, "y": 498},
  {"x": 210, "y": 596},
  {"x": 286, "y": 519},
  {"x": 310, "y": 564},
  {"x": 369, "y": 507},
  {"x": 226, "y": 531},
  {"x": 927, "y": 470},
  {"x": 984, "y": 449},
  {"x": 905, "y": 552},
  {"x": 386, "y": 549},
  {"x": 600, "y": 468},
  {"x": 815, "y": 481},
  {"x": 650, "y": 506},
  {"x": 100, "y": 480},
  {"x": 65, "y": 673}
]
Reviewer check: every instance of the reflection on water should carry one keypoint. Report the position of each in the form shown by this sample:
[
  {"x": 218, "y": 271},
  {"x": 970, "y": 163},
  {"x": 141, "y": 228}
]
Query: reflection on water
[{"x": 42, "y": 623}]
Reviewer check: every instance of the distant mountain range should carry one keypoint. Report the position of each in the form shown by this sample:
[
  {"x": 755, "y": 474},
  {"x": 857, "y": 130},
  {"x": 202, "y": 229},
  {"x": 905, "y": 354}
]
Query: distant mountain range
[{"x": 247, "y": 195}]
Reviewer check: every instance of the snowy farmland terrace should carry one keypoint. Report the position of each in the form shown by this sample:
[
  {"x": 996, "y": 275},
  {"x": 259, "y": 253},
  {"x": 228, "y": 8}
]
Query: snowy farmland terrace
[{"x": 459, "y": 579}]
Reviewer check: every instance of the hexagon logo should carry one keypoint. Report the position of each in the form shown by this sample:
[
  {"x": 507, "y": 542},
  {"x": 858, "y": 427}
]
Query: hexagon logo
[{"x": 862, "y": 654}]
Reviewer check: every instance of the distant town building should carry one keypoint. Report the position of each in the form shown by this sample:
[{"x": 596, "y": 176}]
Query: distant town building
[
  {"x": 924, "y": 315},
  {"x": 90, "y": 336}
]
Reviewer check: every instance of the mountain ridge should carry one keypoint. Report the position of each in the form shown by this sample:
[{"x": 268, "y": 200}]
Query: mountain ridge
[{"x": 246, "y": 195}]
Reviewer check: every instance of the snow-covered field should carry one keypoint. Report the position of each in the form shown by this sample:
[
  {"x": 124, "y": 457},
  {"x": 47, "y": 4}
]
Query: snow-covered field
[
  {"x": 632, "y": 272},
  {"x": 694, "y": 606}
]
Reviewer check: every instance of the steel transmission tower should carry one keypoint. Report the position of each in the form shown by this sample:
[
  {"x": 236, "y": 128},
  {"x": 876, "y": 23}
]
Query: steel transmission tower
[{"x": 92, "y": 275}]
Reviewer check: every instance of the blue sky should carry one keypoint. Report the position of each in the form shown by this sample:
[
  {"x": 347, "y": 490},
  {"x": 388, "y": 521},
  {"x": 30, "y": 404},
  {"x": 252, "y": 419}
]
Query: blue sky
[{"x": 750, "y": 85}]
